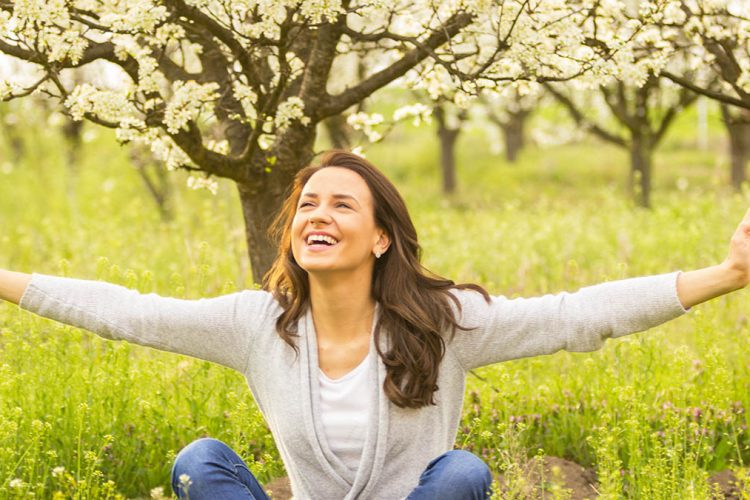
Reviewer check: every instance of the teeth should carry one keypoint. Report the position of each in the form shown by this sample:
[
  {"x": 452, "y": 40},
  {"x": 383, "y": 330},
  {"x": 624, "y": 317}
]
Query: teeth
[{"x": 320, "y": 237}]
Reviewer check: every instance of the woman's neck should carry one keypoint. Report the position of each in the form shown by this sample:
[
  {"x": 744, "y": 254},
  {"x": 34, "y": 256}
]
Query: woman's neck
[{"x": 342, "y": 309}]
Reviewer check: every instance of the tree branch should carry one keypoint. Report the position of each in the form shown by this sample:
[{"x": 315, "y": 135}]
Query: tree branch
[
  {"x": 717, "y": 96},
  {"x": 580, "y": 119},
  {"x": 223, "y": 34},
  {"x": 686, "y": 98},
  {"x": 332, "y": 105}
]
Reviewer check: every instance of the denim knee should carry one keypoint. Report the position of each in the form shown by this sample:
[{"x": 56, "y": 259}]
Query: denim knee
[
  {"x": 468, "y": 471},
  {"x": 191, "y": 459}
]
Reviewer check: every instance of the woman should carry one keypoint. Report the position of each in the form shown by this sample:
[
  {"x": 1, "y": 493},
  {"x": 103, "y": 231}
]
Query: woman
[{"x": 355, "y": 355}]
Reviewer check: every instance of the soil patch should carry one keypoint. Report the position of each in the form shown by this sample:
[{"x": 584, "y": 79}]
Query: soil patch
[
  {"x": 550, "y": 477},
  {"x": 554, "y": 475},
  {"x": 279, "y": 489},
  {"x": 728, "y": 485}
]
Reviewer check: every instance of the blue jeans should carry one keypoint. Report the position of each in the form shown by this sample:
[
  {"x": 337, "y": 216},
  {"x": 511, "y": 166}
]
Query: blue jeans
[{"x": 216, "y": 472}]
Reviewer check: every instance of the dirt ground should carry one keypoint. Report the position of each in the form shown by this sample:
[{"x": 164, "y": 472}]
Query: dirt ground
[
  {"x": 558, "y": 473},
  {"x": 559, "y": 476}
]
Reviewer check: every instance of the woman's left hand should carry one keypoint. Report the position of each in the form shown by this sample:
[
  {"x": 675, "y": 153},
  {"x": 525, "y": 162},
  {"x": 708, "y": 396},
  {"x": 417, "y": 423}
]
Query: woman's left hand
[
  {"x": 694, "y": 287},
  {"x": 738, "y": 260}
]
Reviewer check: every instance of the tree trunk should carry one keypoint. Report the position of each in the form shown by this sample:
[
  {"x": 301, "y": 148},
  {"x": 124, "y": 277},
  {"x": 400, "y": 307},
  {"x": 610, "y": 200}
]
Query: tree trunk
[
  {"x": 73, "y": 131},
  {"x": 448, "y": 158},
  {"x": 640, "y": 170},
  {"x": 447, "y": 137},
  {"x": 259, "y": 207},
  {"x": 738, "y": 127},
  {"x": 262, "y": 197},
  {"x": 513, "y": 133}
]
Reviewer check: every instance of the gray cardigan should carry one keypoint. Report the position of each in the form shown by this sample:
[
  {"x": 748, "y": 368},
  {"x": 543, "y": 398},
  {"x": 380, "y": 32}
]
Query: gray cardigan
[{"x": 238, "y": 331}]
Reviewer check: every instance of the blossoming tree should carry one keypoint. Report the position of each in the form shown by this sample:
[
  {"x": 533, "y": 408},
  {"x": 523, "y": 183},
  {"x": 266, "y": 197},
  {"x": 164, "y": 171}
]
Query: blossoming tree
[
  {"x": 235, "y": 88},
  {"x": 714, "y": 36}
]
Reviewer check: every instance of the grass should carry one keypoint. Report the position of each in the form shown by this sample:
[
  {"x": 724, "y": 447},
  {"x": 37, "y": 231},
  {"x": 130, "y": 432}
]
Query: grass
[{"x": 654, "y": 413}]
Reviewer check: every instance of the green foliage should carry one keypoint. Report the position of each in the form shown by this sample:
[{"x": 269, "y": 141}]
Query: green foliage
[{"x": 653, "y": 413}]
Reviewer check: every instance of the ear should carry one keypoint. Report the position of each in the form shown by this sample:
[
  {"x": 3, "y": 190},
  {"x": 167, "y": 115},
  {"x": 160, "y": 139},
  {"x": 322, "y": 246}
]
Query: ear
[{"x": 383, "y": 243}]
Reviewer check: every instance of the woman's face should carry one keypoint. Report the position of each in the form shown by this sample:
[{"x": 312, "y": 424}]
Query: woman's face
[{"x": 334, "y": 227}]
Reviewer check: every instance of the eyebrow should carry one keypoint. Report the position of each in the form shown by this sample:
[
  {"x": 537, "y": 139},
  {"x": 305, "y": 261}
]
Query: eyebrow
[{"x": 336, "y": 196}]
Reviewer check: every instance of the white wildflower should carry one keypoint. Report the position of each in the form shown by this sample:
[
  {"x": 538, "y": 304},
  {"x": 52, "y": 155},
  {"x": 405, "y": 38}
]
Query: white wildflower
[
  {"x": 158, "y": 493},
  {"x": 16, "y": 483},
  {"x": 58, "y": 471}
]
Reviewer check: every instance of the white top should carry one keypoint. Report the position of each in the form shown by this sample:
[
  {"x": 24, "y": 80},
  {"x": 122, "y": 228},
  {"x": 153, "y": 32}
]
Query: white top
[{"x": 344, "y": 407}]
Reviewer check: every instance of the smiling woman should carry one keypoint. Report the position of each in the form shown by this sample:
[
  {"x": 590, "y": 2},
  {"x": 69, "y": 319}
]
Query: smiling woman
[{"x": 356, "y": 354}]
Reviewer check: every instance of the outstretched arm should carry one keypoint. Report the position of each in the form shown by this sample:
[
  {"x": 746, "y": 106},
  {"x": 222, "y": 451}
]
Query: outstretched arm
[
  {"x": 12, "y": 285},
  {"x": 694, "y": 287},
  {"x": 219, "y": 329},
  {"x": 581, "y": 321}
]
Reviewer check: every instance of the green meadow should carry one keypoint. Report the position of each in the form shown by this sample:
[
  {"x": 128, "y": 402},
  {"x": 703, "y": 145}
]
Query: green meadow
[{"x": 653, "y": 415}]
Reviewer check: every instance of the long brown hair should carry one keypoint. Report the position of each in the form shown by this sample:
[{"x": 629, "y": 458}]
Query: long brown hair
[{"x": 415, "y": 304}]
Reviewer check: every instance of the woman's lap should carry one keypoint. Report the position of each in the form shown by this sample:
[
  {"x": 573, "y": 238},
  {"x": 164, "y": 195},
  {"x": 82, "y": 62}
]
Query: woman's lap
[{"x": 215, "y": 471}]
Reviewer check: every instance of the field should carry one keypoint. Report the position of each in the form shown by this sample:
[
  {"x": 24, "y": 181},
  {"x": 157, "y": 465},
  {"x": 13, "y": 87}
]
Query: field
[{"x": 653, "y": 415}]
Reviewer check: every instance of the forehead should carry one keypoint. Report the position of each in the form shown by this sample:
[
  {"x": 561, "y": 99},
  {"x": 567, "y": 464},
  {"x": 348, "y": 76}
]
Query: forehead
[{"x": 337, "y": 180}]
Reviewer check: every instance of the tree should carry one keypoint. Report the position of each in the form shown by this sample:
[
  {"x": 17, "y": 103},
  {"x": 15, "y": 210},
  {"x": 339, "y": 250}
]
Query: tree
[
  {"x": 509, "y": 111},
  {"x": 262, "y": 76},
  {"x": 717, "y": 37},
  {"x": 634, "y": 96},
  {"x": 643, "y": 112}
]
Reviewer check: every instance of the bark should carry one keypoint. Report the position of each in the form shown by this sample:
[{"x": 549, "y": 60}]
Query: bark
[
  {"x": 738, "y": 127},
  {"x": 72, "y": 131},
  {"x": 641, "y": 154},
  {"x": 448, "y": 158},
  {"x": 513, "y": 133},
  {"x": 262, "y": 197},
  {"x": 447, "y": 137}
]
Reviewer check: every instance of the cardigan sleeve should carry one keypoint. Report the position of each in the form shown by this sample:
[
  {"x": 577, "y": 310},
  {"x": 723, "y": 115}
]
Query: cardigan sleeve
[
  {"x": 216, "y": 329},
  {"x": 505, "y": 329}
]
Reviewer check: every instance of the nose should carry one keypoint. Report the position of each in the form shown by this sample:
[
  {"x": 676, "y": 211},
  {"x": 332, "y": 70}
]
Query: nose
[{"x": 319, "y": 216}]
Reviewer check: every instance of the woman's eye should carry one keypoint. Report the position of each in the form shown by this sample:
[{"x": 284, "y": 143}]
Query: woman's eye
[
  {"x": 343, "y": 205},
  {"x": 304, "y": 204}
]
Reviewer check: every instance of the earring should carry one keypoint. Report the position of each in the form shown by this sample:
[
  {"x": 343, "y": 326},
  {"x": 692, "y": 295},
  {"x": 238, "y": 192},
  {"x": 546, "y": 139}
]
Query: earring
[{"x": 377, "y": 254}]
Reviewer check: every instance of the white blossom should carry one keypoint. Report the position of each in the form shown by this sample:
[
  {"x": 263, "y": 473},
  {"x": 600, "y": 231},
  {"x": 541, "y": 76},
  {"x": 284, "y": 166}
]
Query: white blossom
[
  {"x": 105, "y": 104},
  {"x": 188, "y": 101},
  {"x": 290, "y": 110},
  {"x": 419, "y": 112},
  {"x": 367, "y": 123},
  {"x": 203, "y": 183},
  {"x": 165, "y": 149}
]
